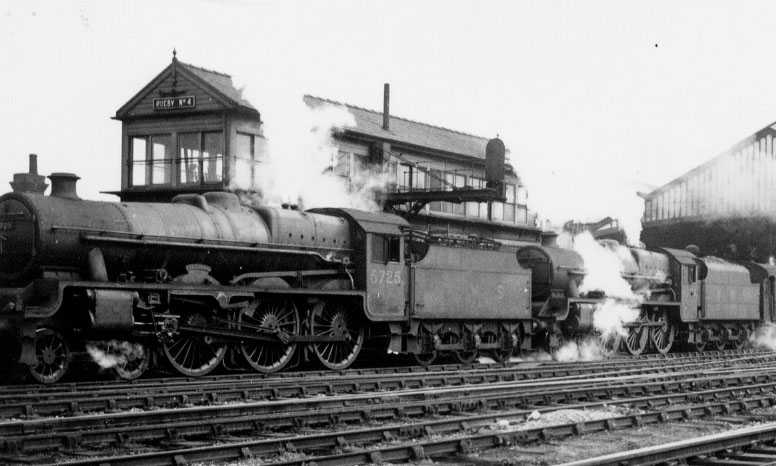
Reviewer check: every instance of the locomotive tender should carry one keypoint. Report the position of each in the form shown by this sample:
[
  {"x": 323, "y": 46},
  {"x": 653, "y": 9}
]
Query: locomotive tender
[{"x": 209, "y": 280}]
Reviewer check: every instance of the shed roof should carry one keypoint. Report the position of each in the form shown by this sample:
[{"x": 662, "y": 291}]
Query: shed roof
[
  {"x": 769, "y": 129},
  {"x": 403, "y": 130}
]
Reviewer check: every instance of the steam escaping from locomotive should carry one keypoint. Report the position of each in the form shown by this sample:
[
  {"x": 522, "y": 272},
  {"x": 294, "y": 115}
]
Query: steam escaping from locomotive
[
  {"x": 108, "y": 355},
  {"x": 302, "y": 166},
  {"x": 764, "y": 337},
  {"x": 603, "y": 274},
  {"x": 589, "y": 349}
]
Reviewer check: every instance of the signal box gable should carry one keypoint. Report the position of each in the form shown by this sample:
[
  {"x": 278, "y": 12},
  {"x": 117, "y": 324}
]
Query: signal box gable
[{"x": 186, "y": 131}]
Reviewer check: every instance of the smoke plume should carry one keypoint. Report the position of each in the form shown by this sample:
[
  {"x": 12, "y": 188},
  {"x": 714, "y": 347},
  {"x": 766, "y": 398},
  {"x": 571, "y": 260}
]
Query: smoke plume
[{"x": 302, "y": 165}]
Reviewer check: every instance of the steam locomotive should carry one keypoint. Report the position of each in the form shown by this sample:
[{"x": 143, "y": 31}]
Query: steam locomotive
[{"x": 208, "y": 280}]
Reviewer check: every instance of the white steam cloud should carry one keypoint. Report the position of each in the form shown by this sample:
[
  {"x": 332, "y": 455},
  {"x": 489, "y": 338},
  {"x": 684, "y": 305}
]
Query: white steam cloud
[
  {"x": 114, "y": 353},
  {"x": 590, "y": 349},
  {"x": 301, "y": 163},
  {"x": 764, "y": 337},
  {"x": 604, "y": 267}
]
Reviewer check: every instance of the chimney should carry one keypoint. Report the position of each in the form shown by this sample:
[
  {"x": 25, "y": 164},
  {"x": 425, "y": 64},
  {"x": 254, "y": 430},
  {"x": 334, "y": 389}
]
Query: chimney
[
  {"x": 386, "y": 106},
  {"x": 29, "y": 182},
  {"x": 33, "y": 164},
  {"x": 63, "y": 185}
]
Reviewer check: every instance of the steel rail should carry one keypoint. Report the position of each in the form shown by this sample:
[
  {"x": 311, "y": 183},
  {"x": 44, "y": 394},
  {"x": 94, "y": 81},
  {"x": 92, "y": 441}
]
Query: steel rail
[
  {"x": 705, "y": 445},
  {"x": 181, "y": 394},
  {"x": 133, "y": 397},
  {"x": 533, "y": 369},
  {"x": 722, "y": 401},
  {"x": 52, "y": 434}
]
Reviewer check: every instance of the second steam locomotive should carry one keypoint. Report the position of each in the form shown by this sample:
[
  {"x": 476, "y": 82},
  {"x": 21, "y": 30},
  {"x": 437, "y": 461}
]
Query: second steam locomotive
[{"x": 208, "y": 280}]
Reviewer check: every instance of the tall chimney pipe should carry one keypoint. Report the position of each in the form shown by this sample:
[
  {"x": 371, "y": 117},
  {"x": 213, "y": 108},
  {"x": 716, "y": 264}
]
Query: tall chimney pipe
[
  {"x": 386, "y": 106},
  {"x": 33, "y": 164}
]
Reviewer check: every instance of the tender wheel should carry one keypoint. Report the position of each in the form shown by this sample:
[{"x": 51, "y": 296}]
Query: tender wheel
[
  {"x": 722, "y": 341},
  {"x": 52, "y": 356},
  {"x": 134, "y": 362},
  {"x": 743, "y": 338},
  {"x": 504, "y": 352},
  {"x": 428, "y": 354},
  {"x": 194, "y": 355},
  {"x": 635, "y": 342},
  {"x": 335, "y": 319},
  {"x": 278, "y": 317},
  {"x": 701, "y": 339},
  {"x": 663, "y": 335},
  {"x": 467, "y": 356}
]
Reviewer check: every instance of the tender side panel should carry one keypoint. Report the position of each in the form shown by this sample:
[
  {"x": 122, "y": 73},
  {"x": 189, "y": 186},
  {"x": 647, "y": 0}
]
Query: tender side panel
[
  {"x": 728, "y": 293},
  {"x": 458, "y": 283}
]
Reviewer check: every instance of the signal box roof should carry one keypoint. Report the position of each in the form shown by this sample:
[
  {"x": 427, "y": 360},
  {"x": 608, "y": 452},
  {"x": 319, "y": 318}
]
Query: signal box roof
[{"x": 212, "y": 91}]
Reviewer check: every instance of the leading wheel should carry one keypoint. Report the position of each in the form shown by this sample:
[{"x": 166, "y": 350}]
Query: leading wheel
[
  {"x": 52, "y": 356},
  {"x": 337, "y": 321},
  {"x": 192, "y": 354},
  {"x": 134, "y": 361},
  {"x": 277, "y": 318},
  {"x": 662, "y": 335}
]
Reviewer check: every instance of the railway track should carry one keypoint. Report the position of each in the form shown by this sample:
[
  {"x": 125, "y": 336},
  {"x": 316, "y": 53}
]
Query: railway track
[
  {"x": 268, "y": 418},
  {"x": 549, "y": 368},
  {"x": 175, "y": 393},
  {"x": 450, "y": 435},
  {"x": 748, "y": 446}
]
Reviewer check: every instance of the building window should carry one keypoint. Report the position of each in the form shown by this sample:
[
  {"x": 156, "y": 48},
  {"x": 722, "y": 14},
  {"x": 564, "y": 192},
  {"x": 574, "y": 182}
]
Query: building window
[
  {"x": 435, "y": 178},
  {"x": 139, "y": 162},
  {"x": 412, "y": 178},
  {"x": 161, "y": 172},
  {"x": 341, "y": 164},
  {"x": 151, "y": 161},
  {"x": 189, "y": 155},
  {"x": 213, "y": 157},
  {"x": 510, "y": 206},
  {"x": 246, "y": 160},
  {"x": 476, "y": 209},
  {"x": 201, "y": 157}
]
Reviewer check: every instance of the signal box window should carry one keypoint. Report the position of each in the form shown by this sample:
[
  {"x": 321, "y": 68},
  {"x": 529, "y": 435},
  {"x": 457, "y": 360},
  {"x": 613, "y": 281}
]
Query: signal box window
[
  {"x": 139, "y": 162},
  {"x": 201, "y": 157},
  {"x": 161, "y": 159},
  {"x": 151, "y": 159},
  {"x": 385, "y": 248}
]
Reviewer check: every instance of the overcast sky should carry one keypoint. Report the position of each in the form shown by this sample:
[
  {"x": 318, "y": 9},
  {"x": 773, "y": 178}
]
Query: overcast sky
[{"x": 596, "y": 100}]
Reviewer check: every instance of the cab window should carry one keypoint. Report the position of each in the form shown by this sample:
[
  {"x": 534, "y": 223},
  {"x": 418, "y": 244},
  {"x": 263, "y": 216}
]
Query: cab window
[{"x": 385, "y": 248}]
